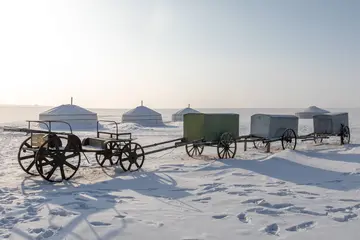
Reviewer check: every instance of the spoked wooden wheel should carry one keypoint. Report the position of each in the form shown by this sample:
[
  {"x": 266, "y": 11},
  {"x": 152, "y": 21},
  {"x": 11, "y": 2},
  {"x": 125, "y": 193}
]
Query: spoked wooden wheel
[
  {"x": 132, "y": 157},
  {"x": 109, "y": 156},
  {"x": 261, "y": 145},
  {"x": 26, "y": 158},
  {"x": 289, "y": 139},
  {"x": 56, "y": 163},
  {"x": 345, "y": 137},
  {"x": 194, "y": 149},
  {"x": 227, "y": 146},
  {"x": 318, "y": 139}
]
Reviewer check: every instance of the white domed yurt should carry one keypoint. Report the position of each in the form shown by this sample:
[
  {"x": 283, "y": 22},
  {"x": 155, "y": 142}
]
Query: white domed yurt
[
  {"x": 309, "y": 112},
  {"x": 179, "y": 115},
  {"x": 143, "y": 116},
  {"x": 78, "y": 117}
]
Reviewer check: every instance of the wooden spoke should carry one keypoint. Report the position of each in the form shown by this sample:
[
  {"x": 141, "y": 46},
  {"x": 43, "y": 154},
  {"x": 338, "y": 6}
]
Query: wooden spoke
[
  {"x": 261, "y": 145},
  {"x": 194, "y": 149},
  {"x": 345, "y": 135},
  {"x": 132, "y": 157},
  {"x": 56, "y": 163},
  {"x": 227, "y": 146},
  {"x": 289, "y": 139},
  {"x": 26, "y": 157},
  {"x": 318, "y": 139},
  {"x": 109, "y": 156}
]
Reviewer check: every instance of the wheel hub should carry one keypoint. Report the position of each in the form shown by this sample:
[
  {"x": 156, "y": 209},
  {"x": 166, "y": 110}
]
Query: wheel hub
[
  {"x": 59, "y": 160},
  {"x": 133, "y": 157}
]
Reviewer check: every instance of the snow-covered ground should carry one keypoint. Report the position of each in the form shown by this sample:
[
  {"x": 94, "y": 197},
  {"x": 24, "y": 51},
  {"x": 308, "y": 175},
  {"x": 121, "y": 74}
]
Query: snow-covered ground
[{"x": 309, "y": 193}]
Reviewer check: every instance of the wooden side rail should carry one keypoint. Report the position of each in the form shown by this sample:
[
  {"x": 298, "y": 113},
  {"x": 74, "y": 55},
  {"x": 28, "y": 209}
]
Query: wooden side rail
[
  {"x": 116, "y": 133},
  {"x": 48, "y": 123}
]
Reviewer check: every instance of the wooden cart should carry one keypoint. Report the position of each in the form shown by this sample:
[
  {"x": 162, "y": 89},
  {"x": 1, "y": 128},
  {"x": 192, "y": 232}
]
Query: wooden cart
[{"x": 268, "y": 128}]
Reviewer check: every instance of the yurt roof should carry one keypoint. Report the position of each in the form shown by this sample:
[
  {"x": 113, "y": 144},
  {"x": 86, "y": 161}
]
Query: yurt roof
[
  {"x": 141, "y": 111},
  {"x": 68, "y": 109},
  {"x": 186, "y": 110},
  {"x": 314, "y": 109}
]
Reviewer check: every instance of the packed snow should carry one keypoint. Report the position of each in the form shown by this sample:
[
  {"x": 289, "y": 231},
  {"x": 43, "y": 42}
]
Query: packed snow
[{"x": 307, "y": 193}]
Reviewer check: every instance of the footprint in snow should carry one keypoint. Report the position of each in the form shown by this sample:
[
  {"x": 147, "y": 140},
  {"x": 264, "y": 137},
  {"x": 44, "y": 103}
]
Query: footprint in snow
[
  {"x": 239, "y": 193},
  {"x": 61, "y": 212},
  {"x": 308, "y": 193},
  {"x": 99, "y": 224},
  {"x": 346, "y": 218},
  {"x": 255, "y": 201},
  {"x": 244, "y": 218},
  {"x": 349, "y": 200},
  {"x": 243, "y": 174},
  {"x": 281, "y": 193},
  {"x": 46, "y": 234},
  {"x": 272, "y": 229},
  {"x": 265, "y": 211},
  {"x": 220, "y": 216},
  {"x": 245, "y": 185},
  {"x": 201, "y": 199},
  {"x": 302, "y": 226}
]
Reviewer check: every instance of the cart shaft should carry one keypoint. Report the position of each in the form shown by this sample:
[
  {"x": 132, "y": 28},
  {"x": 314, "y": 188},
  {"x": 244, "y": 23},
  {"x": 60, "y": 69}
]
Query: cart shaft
[
  {"x": 162, "y": 143},
  {"x": 165, "y": 148}
]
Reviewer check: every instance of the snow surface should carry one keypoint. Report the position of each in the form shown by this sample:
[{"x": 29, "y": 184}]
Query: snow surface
[{"x": 309, "y": 193}]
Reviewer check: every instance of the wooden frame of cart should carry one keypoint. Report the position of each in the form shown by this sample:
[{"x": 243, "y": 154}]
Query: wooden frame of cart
[
  {"x": 48, "y": 150},
  {"x": 268, "y": 128},
  {"x": 56, "y": 156},
  {"x": 328, "y": 125}
]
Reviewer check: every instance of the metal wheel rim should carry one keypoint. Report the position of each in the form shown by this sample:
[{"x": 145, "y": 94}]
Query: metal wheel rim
[
  {"x": 59, "y": 159},
  {"x": 260, "y": 145},
  {"x": 346, "y": 135},
  {"x": 289, "y": 139},
  {"x": 103, "y": 158},
  {"x": 132, "y": 153},
  {"x": 318, "y": 140},
  {"x": 227, "y": 146},
  {"x": 28, "y": 168},
  {"x": 194, "y": 149}
]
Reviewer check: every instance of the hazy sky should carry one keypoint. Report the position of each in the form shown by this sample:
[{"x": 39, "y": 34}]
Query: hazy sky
[{"x": 208, "y": 53}]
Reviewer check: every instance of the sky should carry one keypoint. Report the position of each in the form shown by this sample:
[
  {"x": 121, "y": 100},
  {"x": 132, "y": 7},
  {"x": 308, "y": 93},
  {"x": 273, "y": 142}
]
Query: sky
[{"x": 207, "y": 53}]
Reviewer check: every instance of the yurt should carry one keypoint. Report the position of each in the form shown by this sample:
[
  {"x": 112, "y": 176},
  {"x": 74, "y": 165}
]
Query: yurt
[
  {"x": 309, "y": 112},
  {"x": 78, "y": 117},
  {"x": 179, "y": 115},
  {"x": 143, "y": 116}
]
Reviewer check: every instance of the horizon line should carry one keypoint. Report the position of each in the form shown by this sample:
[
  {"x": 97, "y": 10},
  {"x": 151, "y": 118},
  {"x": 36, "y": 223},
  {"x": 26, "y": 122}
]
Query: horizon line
[{"x": 36, "y": 105}]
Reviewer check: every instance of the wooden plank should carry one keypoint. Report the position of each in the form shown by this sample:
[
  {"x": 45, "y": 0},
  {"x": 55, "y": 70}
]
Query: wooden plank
[{"x": 38, "y": 139}]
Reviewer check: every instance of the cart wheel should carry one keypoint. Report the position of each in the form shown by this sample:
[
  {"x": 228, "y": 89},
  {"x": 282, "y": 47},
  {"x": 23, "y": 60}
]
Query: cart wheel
[
  {"x": 289, "y": 139},
  {"x": 318, "y": 139},
  {"x": 109, "y": 156},
  {"x": 26, "y": 158},
  {"x": 56, "y": 163},
  {"x": 345, "y": 136},
  {"x": 194, "y": 149},
  {"x": 132, "y": 154},
  {"x": 261, "y": 145},
  {"x": 227, "y": 146}
]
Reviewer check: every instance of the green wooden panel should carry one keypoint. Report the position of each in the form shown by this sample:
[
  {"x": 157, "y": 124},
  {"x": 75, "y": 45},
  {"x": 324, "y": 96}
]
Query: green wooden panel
[
  {"x": 209, "y": 126},
  {"x": 217, "y": 124},
  {"x": 193, "y": 127}
]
